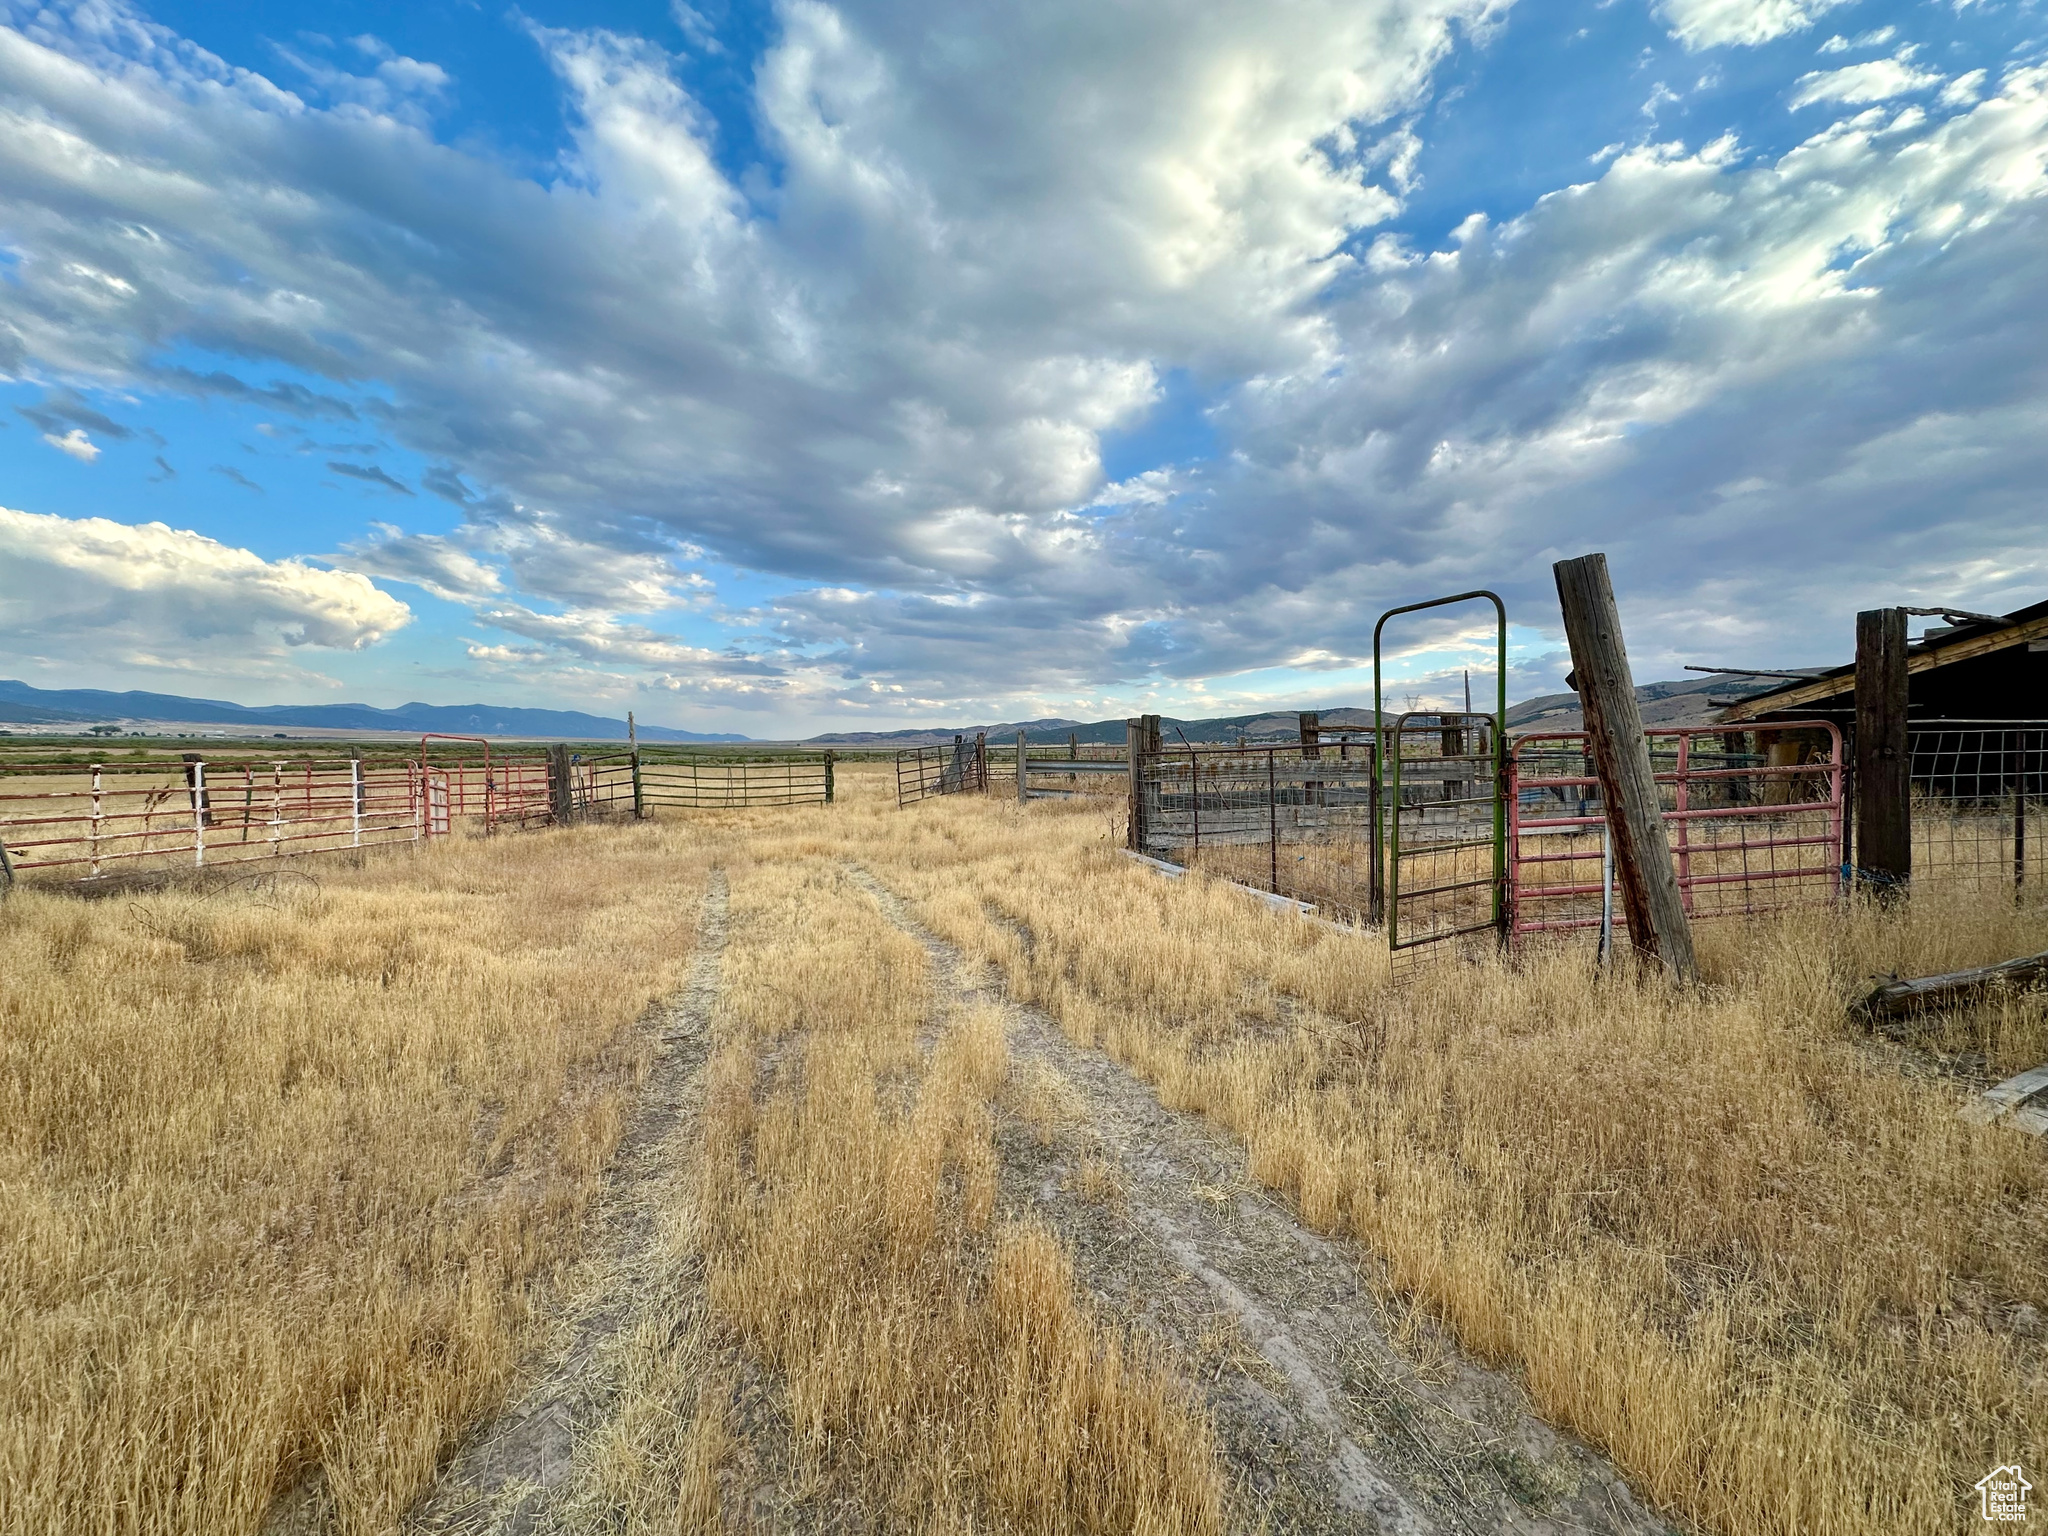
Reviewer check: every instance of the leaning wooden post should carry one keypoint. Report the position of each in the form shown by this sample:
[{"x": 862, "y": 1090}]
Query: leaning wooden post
[
  {"x": 1134, "y": 756},
  {"x": 633, "y": 746},
  {"x": 1884, "y": 764},
  {"x": 1023, "y": 771},
  {"x": 1621, "y": 757}
]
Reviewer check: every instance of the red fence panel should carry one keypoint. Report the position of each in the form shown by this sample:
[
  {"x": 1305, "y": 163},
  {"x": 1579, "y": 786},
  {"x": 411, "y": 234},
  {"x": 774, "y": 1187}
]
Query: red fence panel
[{"x": 1750, "y": 831}]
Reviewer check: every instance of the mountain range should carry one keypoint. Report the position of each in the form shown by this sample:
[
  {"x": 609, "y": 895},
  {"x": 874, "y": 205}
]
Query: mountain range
[
  {"x": 1684, "y": 702},
  {"x": 21, "y": 704}
]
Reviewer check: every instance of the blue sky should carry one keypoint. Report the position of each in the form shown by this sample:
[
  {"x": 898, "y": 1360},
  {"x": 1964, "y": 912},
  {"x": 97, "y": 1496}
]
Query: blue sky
[{"x": 780, "y": 367}]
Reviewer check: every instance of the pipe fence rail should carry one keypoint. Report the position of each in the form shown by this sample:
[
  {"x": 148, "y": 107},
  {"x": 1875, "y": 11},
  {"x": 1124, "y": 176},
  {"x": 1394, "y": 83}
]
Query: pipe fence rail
[
  {"x": 91, "y": 818},
  {"x": 642, "y": 782},
  {"x": 1751, "y": 829}
]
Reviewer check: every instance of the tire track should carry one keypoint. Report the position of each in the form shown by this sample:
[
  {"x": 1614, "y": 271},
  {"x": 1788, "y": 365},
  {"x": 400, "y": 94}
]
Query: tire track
[
  {"x": 511, "y": 1471},
  {"x": 1329, "y": 1426}
]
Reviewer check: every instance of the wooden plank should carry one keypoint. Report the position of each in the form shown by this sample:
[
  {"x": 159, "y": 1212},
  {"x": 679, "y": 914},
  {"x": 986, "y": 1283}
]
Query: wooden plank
[
  {"x": 1925, "y": 660},
  {"x": 1621, "y": 759},
  {"x": 1023, "y": 771},
  {"x": 1895, "y": 998},
  {"x": 1884, "y": 763}
]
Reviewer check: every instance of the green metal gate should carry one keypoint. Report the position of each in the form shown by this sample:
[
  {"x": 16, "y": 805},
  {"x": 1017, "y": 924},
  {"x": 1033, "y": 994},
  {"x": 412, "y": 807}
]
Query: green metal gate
[{"x": 1440, "y": 819}]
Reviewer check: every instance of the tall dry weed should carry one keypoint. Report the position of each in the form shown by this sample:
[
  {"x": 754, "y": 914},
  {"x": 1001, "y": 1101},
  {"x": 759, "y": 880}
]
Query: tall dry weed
[
  {"x": 936, "y": 1359},
  {"x": 280, "y": 1165},
  {"x": 1728, "y": 1236}
]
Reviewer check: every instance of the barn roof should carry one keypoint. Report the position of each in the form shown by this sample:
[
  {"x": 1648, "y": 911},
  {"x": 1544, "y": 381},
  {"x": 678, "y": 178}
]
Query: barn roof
[{"x": 1837, "y": 686}]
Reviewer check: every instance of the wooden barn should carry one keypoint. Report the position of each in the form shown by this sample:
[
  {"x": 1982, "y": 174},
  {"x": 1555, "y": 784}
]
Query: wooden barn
[{"x": 1981, "y": 670}]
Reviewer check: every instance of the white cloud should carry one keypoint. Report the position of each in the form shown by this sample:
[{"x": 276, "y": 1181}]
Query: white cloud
[
  {"x": 1723, "y": 23},
  {"x": 993, "y": 235},
  {"x": 75, "y": 443},
  {"x": 1878, "y": 80},
  {"x": 1876, "y": 39},
  {"x": 80, "y": 592}
]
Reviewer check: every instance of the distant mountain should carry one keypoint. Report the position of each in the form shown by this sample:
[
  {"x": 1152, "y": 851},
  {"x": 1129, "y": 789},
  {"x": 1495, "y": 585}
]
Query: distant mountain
[
  {"x": 1690, "y": 701},
  {"x": 22, "y": 703},
  {"x": 1683, "y": 702}
]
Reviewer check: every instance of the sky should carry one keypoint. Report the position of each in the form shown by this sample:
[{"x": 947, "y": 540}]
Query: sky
[{"x": 778, "y": 368}]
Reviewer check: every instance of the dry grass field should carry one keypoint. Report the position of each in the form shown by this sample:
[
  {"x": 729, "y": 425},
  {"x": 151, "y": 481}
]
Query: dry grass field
[{"x": 294, "y": 1172}]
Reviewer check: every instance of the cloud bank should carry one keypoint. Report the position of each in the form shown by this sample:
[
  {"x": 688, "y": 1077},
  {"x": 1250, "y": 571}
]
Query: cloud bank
[
  {"x": 881, "y": 367},
  {"x": 83, "y": 591}
]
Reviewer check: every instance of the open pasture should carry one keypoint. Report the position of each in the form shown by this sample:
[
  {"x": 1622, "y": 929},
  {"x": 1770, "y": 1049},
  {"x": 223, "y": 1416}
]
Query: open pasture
[{"x": 308, "y": 1182}]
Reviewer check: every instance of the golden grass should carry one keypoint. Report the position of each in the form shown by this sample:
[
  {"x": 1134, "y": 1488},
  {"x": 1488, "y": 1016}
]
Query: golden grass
[
  {"x": 1756, "y": 1256},
  {"x": 279, "y": 1165},
  {"x": 283, "y": 1172},
  {"x": 935, "y": 1358}
]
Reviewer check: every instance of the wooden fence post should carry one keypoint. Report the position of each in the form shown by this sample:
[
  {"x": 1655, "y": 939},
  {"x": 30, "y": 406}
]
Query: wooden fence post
[
  {"x": 1621, "y": 757},
  {"x": 1134, "y": 756},
  {"x": 830, "y": 759},
  {"x": 561, "y": 793},
  {"x": 1311, "y": 725},
  {"x": 633, "y": 746},
  {"x": 1884, "y": 762},
  {"x": 1023, "y": 771}
]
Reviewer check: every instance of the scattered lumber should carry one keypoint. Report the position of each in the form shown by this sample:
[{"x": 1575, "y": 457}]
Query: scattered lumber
[
  {"x": 2020, "y": 1102},
  {"x": 1892, "y": 999}
]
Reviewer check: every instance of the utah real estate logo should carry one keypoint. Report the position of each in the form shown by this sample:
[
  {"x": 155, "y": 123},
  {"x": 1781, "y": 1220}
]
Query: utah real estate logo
[{"x": 2004, "y": 1492}]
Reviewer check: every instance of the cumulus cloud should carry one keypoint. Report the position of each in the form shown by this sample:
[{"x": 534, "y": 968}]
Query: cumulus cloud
[
  {"x": 1878, "y": 80},
  {"x": 74, "y": 443},
  {"x": 1742, "y": 23},
  {"x": 991, "y": 237},
  {"x": 80, "y": 592}
]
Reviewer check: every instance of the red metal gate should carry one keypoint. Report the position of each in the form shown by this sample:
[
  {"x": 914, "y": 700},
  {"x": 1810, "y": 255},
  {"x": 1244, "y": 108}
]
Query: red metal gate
[{"x": 1753, "y": 828}]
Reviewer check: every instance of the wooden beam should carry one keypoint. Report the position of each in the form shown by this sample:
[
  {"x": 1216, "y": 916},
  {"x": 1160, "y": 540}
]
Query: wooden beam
[
  {"x": 1928, "y": 659},
  {"x": 1895, "y": 998},
  {"x": 1884, "y": 763},
  {"x": 1023, "y": 771},
  {"x": 1621, "y": 757}
]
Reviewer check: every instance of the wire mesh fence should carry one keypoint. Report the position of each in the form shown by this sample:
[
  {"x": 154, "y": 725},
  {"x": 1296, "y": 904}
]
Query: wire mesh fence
[
  {"x": 1978, "y": 788},
  {"x": 1295, "y": 820}
]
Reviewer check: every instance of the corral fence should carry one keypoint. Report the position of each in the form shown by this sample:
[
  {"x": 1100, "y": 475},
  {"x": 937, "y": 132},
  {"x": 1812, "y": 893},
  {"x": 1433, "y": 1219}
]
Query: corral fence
[
  {"x": 93, "y": 818},
  {"x": 1758, "y": 819},
  {"x": 642, "y": 782},
  {"x": 1977, "y": 791},
  {"x": 923, "y": 772},
  {"x": 1753, "y": 826}
]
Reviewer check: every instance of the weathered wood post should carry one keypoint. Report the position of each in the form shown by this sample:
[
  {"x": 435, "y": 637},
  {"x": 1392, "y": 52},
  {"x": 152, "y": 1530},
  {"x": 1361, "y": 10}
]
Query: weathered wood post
[
  {"x": 1621, "y": 758},
  {"x": 633, "y": 746},
  {"x": 981, "y": 761},
  {"x": 1884, "y": 764},
  {"x": 831, "y": 758},
  {"x": 1023, "y": 771},
  {"x": 1310, "y": 724},
  {"x": 1073, "y": 747},
  {"x": 1134, "y": 758},
  {"x": 561, "y": 792}
]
